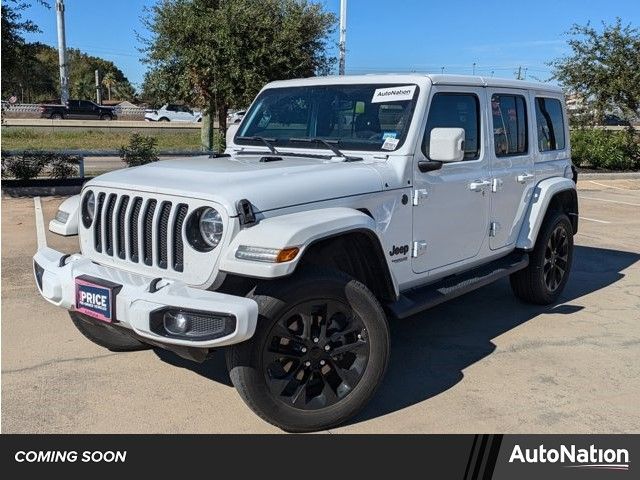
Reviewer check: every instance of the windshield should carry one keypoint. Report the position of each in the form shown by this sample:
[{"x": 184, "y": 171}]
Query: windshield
[{"x": 354, "y": 117}]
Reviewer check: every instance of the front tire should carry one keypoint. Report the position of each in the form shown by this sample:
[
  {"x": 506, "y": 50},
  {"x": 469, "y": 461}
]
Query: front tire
[
  {"x": 105, "y": 335},
  {"x": 542, "y": 282},
  {"x": 320, "y": 350}
]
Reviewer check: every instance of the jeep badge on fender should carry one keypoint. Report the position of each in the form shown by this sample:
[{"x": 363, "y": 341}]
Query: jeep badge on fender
[
  {"x": 403, "y": 250},
  {"x": 291, "y": 251}
]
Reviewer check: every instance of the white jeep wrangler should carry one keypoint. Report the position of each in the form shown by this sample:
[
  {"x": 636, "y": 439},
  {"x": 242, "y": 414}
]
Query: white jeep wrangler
[{"x": 339, "y": 204}]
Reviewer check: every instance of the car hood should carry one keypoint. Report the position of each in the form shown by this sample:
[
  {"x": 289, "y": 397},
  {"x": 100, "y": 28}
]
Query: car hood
[{"x": 268, "y": 185}]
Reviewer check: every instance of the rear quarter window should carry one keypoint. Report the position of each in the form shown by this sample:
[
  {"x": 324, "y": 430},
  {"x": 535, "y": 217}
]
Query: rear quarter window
[{"x": 550, "y": 124}]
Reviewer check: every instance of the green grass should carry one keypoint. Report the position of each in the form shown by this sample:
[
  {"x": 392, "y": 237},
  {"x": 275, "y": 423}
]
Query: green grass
[{"x": 29, "y": 139}]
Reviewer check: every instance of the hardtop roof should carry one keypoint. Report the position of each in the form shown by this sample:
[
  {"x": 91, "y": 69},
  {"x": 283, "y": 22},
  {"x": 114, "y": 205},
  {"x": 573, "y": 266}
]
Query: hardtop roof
[{"x": 420, "y": 79}]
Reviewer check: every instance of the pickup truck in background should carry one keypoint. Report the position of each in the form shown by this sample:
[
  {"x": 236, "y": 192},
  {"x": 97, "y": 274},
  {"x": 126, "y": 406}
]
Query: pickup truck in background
[{"x": 77, "y": 110}]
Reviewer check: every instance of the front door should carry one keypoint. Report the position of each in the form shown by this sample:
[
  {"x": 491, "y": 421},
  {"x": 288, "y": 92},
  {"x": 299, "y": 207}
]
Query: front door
[
  {"x": 511, "y": 164},
  {"x": 451, "y": 205}
]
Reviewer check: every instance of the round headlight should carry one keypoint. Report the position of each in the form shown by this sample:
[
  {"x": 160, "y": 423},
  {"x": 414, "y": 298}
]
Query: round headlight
[
  {"x": 88, "y": 209},
  {"x": 211, "y": 227}
]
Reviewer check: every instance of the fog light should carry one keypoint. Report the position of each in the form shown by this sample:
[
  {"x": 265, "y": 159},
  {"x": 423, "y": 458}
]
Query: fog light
[
  {"x": 175, "y": 323},
  {"x": 192, "y": 324}
]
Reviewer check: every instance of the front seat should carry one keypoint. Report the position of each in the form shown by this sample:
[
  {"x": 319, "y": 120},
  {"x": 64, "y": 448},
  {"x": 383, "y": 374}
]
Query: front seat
[{"x": 367, "y": 125}]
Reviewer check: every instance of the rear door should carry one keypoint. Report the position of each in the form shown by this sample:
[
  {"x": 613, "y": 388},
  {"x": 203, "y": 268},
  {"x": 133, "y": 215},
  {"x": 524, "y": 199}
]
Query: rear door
[
  {"x": 511, "y": 163},
  {"x": 73, "y": 110},
  {"x": 451, "y": 205}
]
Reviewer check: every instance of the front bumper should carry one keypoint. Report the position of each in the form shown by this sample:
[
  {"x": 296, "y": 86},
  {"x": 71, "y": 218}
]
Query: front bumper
[{"x": 56, "y": 272}]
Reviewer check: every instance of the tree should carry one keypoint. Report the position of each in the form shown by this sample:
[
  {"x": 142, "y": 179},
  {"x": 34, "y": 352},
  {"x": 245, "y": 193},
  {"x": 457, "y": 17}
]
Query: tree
[
  {"x": 219, "y": 53},
  {"x": 603, "y": 67},
  {"x": 14, "y": 47},
  {"x": 109, "y": 81}
]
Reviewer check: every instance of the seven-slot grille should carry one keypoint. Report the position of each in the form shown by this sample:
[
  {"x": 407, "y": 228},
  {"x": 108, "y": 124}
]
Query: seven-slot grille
[{"x": 140, "y": 230}]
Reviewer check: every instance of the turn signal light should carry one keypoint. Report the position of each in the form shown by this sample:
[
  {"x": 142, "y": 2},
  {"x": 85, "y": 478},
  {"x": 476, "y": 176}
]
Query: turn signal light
[
  {"x": 267, "y": 255},
  {"x": 287, "y": 254}
]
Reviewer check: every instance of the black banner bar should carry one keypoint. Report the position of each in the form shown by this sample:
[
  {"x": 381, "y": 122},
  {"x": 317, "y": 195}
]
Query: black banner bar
[{"x": 460, "y": 457}]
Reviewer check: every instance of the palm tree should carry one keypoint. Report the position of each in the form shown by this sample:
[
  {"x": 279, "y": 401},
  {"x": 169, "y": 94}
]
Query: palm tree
[
  {"x": 109, "y": 80},
  {"x": 83, "y": 88}
]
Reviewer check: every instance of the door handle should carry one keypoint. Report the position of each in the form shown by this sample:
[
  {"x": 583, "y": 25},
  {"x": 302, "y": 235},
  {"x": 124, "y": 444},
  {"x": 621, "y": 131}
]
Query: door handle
[
  {"x": 525, "y": 177},
  {"x": 478, "y": 185}
]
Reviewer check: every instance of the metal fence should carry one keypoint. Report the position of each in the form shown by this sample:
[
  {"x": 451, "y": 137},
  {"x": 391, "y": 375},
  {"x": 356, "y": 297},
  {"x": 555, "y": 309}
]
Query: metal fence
[
  {"x": 31, "y": 110},
  {"x": 79, "y": 156}
]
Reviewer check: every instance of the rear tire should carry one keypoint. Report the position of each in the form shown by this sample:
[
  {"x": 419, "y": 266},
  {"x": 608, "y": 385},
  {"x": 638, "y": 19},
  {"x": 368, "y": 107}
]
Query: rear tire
[
  {"x": 56, "y": 116},
  {"x": 106, "y": 117},
  {"x": 163, "y": 119},
  {"x": 542, "y": 282},
  {"x": 105, "y": 335},
  {"x": 320, "y": 351}
]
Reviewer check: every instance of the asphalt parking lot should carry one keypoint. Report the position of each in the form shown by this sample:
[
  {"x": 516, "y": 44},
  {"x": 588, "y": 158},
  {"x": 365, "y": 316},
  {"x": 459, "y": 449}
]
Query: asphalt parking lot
[{"x": 481, "y": 363}]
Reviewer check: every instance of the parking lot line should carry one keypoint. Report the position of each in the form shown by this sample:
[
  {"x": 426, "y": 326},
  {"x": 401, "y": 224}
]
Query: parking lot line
[
  {"x": 610, "y": 186},
  {"x": 40, "y": 232},
  {"x": 610, "y": 201},
  {"x": 594, "y": 220}
]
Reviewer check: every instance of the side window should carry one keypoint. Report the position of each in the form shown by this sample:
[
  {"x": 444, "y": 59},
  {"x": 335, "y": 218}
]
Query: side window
[
  {"x": 172, "y": 108},
  {"x": 550, "y": 124},
  {"x": 509, "y": 124},
  {"x": 455, "y": 110}
]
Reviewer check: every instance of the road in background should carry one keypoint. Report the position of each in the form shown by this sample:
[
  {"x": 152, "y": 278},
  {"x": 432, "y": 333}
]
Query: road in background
[{"x": 480, "y": 363}]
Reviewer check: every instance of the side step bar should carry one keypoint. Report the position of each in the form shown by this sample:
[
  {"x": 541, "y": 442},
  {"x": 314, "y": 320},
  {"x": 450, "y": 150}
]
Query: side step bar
[{"x": 422, "y": 298}]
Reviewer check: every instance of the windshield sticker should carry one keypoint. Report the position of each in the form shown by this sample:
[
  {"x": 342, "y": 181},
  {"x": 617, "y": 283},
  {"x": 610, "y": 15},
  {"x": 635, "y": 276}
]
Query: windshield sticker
[
  {"x": 386, "y": 135},
  {"x": 393, "y": 94},
  {"x": 390, "y": 144}
]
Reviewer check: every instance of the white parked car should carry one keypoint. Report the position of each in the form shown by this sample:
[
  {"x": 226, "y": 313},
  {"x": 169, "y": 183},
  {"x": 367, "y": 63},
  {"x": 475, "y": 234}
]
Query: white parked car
[
  {"x": 341, "y": 204},
  {"x": 236, "y": 117},
  {"x": 173, "y": 113}
]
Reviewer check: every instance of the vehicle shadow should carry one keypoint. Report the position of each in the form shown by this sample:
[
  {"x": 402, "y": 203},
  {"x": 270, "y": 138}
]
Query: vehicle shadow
[
  {"x": 214, "y": 368},
  {"x": 429, "y": 351}
]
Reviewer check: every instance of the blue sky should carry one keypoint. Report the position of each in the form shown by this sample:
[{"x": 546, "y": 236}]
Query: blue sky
[{"x": 383, "y": 35}]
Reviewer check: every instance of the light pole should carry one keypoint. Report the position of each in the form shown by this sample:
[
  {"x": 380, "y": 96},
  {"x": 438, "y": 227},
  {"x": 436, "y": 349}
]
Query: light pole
[
  {"x": 62, "y": 53},
  {"x": 343, "y": 36}
]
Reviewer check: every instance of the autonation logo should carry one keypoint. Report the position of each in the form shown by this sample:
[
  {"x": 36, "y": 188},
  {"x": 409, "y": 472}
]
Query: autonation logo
[{"x": 573, "y": 457}]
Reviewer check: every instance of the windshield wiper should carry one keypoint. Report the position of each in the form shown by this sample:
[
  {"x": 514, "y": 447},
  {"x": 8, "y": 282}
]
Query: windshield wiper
[
  {"x": 330, "y": 144},
  {"x": 266, "y": 141}
]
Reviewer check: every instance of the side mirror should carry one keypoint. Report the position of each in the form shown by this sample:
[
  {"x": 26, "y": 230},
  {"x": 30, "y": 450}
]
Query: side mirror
[
  {"x": 446, "y": 145},
  {"x": 231, "y": 132}
]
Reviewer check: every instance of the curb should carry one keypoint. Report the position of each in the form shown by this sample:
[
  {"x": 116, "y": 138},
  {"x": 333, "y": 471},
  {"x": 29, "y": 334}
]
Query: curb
[
  {"x": 43, "y": 187},
  {"x": 608, "y": 175}
]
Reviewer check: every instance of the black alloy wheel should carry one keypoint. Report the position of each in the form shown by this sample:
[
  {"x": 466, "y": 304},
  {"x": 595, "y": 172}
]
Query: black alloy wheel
[
  {"x": 556, "y": 258},
  {"x": 316, "y": 354}
]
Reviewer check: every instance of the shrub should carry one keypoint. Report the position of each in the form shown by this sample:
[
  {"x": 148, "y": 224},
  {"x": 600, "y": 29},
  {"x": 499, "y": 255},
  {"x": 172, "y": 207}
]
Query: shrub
[
  {"x": 23, "y": 167},
  {"x": 605, "y": 149},
  {"x": 141, "y": 150},
  {"x": 63, "y": 166},
  {"x": 30, "y": 164}
]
